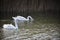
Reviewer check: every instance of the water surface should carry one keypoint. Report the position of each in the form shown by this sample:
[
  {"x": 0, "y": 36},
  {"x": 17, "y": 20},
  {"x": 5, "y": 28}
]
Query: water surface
[{"x": 32, "y": 31}]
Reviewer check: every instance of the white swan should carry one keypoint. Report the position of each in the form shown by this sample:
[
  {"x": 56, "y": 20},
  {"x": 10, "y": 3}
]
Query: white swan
[
  {"x": 10, "y": 26},
  {"x": 21, "y": 18}
]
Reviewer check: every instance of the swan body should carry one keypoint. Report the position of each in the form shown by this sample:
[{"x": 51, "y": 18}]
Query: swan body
[
  {"x": 21, "y": 18},
  {"x": 10, "y": 26}
]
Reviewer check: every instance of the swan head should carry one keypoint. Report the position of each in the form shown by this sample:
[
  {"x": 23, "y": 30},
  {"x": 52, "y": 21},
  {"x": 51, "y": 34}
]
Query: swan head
[
  {"x": 14, "y": 18},
  {"x": 30, "y": 18}
]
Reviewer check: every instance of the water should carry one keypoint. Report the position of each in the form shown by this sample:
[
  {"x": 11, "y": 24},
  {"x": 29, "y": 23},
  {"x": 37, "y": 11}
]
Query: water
[{"x": 32, "y": 31}]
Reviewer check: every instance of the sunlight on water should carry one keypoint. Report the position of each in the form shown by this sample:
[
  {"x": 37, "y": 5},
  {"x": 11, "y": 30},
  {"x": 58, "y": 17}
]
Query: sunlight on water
[{"x": 32, "y": 31}]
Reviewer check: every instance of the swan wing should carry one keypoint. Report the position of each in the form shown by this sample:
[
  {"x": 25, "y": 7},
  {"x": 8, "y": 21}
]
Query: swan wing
[
  {"x": 5, "y": 25},
  {"x": 8, "y": 26},
  {"x": 21, "y": 18}
]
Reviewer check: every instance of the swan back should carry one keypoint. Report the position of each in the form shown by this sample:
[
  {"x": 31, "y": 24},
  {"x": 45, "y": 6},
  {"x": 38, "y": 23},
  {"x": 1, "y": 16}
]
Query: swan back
[{"x": 19, "y": 18}]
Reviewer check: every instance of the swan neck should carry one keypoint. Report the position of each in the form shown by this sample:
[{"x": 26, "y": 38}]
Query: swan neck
[
  {"x": 28, "y": 18},
  {"x": 16, "y": 24}
]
